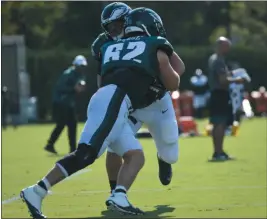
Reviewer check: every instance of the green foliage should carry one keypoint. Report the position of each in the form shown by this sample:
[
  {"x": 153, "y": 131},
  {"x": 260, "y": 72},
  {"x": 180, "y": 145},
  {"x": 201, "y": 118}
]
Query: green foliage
[
  {"x": 35, "y": 20},
  {"x": 76, "y": 24},
  {"x": 248, "y": 24}
]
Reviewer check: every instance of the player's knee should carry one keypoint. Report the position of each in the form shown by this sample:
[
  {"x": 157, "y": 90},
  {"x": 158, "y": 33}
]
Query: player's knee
[
  {"x": 170, "y": 153},
  {"x": 84, "y": 156},
  {"x": 137, "y": 156},
  {"x": 113, "y": 160},
  {"x": 172, "y": 158}
]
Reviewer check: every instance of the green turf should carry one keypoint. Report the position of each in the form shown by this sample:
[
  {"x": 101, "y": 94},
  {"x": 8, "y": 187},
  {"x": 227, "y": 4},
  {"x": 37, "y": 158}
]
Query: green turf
[{"x": 198, "y": 189}]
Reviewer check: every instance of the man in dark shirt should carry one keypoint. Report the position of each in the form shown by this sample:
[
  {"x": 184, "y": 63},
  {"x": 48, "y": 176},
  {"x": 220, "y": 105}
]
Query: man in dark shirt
[
  {"x": 220, "y": 102},
  {"x": 4, "y": 106},
  {"x": 72, "y": 81}
]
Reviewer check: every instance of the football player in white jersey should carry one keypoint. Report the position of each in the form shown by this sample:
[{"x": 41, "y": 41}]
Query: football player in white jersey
[{"x": 237, "y": 91}]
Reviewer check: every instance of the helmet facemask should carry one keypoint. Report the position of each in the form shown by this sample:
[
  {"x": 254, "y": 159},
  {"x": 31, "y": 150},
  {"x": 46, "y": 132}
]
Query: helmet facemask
[
  {"x": 113, "y": 18},
  {"x": 115, "y": 29}
]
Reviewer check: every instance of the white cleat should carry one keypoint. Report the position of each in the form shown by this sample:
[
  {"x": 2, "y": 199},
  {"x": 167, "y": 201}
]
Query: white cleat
[
  {"x": 33, "y": 197},
  {"x": 119, "y": 202}
]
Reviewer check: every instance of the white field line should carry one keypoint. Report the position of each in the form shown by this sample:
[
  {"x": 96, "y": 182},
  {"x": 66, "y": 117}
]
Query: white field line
[
  {"x": 16, "y": 198},
  {"x": 13, "y": 199},
  {"x": 179, "y": 206}
]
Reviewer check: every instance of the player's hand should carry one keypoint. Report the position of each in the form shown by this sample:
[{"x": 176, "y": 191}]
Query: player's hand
[
  {"x": 80, "y": 87},
  {"x": 239, "y": 80}
]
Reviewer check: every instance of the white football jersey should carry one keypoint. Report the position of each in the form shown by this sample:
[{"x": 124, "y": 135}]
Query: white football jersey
[{"x": 237, "y": 90}]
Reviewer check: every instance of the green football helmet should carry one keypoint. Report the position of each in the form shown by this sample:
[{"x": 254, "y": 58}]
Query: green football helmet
[
  {"x": 144, "y": 20},
  {"x": 113, "y": 17}
]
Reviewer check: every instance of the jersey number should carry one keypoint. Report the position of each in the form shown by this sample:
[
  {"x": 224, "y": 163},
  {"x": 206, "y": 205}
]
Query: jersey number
[{"x": 113, "y": 52}]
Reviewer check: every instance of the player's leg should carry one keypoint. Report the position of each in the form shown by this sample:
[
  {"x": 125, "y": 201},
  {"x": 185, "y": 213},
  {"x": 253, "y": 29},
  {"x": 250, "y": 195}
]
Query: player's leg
[
  {"x": 130, "y": 149},
  {"x": 113, "y": 165},
  {"x": 59, "y": 113},
  {"x": 167, "y": 155},
  {"x": 164, "y": 130},
  {"x": 219, "y": 112},
  {"x": 114, "y": 161},
  {"x": 72, "y": 129},
  {"x": 105, "y": 120}
]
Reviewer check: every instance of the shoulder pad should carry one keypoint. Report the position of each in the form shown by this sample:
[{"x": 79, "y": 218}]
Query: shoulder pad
[
  {"x": 164, "y": 45},
  {"x": 68, "y": 71},
  {"x": 97, "y": 44}
]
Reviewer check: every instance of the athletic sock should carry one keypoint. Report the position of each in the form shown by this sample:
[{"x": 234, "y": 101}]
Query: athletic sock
[
  {"x": 120, "y": 189},
  {"x": 44, "y": 184}
]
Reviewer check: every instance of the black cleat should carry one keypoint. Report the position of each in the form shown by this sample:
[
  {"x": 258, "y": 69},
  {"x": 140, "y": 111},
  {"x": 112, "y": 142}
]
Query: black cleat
[
  {"x": 220, "y": 157},
  {"x": 217, "y": 157},
  {"x": 165, "y": 172},
  {"x": 35, "y": 213},
  {"x": 50, "y": 149},
  {"x": 226, "y": 156},
  {"x": 129, "y": 210}
]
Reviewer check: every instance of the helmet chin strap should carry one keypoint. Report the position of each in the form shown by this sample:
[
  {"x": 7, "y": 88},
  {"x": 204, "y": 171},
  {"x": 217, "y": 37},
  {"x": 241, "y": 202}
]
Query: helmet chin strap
[
  {"x": 145, "y": 29},
  {"x": 118, "y": 36}
]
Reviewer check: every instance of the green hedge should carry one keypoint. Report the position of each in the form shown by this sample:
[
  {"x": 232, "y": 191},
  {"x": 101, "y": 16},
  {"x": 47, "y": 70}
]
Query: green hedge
[{"x": 45, "y": 67}]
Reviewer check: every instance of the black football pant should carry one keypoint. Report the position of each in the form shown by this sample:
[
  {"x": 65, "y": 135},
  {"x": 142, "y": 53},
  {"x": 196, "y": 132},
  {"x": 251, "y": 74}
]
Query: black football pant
[{"x": 64, "y": 115}]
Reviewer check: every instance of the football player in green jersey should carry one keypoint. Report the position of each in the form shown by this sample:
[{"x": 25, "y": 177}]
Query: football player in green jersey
[
  {"x": 159, "y": 116},
  {"x": 112, "y": 21},
  {"x": 133, "y": 63}
]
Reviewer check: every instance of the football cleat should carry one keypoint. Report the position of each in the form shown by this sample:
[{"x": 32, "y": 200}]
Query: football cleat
[
  {"x": 118, "y": 202},
  {"x": 165, "y": 172},
  {"x": 33, "y": 197}
]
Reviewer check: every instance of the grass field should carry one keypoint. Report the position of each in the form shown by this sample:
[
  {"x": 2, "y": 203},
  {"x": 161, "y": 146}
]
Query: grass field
[{"x": 199, "y": 188}]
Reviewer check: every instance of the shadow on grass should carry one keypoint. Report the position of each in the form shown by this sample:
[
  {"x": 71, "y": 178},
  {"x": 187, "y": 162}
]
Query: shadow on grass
[{"x": 156, "y": 213}]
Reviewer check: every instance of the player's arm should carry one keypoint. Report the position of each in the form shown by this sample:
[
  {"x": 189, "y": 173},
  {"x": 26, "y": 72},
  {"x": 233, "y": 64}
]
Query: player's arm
[
  {"x": 174, "y": 60},
  {"x": 97, "y": 58},
  {"x": 96, "y": 53},
  {"x": 243, "y": 73},
  {"x": 177, "y": 63},
  {"x": 238, "y": 80},
  {"x": 224, "y": 75},
  {"x": 98, "y": 80},
  {"x": 169, "y": 77},
  {"x": 80, "y": 85},
  {"x": 225, "y": 79}
]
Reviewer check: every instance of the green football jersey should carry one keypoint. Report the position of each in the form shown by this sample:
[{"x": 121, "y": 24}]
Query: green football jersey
[
  {"x": 97, "y": 44},
  {"x": 134, "y": 52},
  {"x": 132, "y": 64}
]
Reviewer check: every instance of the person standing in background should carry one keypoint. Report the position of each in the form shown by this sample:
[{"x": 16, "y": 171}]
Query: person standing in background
[
  {"x": 237, "y": 91},
  {"x": 14, "y": 109},
  {"x": 72, "y": 81},
  {"x": 220, "y": 101},
  {"x": 200, "y": 87},
  {"x": 4, "y": 106}
]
